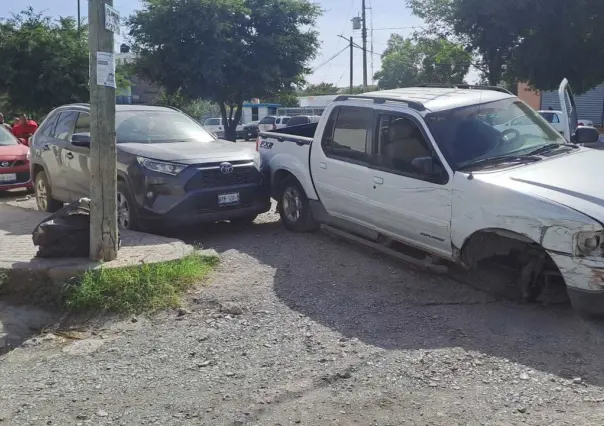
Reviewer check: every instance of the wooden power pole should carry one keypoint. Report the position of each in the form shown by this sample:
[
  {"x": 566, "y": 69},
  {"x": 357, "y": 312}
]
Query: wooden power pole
[
  {"x": 351, "y": 65},
  {"x": 364, "y": 35},
  {"x": 103, "y": 174}
]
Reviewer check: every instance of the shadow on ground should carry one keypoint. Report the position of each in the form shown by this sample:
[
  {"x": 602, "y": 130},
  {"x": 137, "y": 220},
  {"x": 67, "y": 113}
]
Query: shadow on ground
[{"x": 388, "y": 304}]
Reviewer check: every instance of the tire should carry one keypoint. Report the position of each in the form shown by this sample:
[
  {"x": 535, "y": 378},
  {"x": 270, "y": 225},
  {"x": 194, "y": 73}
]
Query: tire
[
  {"x": 127, "y": 217},
  {"x": 294, "y": 207},
  {"x": 43, "y": 192},
  {"x": 244, "y": 221}
]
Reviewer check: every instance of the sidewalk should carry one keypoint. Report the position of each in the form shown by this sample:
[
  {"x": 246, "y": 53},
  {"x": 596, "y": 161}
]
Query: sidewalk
[{"x": 29, "y": 275}]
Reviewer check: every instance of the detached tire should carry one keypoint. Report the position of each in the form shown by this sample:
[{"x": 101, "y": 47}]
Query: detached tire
[
  {"x": 294, "y": 207},
  {"x": 43, "y": 192}
]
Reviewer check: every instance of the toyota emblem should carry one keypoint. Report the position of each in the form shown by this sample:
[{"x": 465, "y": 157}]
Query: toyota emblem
[
  {"x": 226, "y": 168},
  {"x": 6, "y": 163}
]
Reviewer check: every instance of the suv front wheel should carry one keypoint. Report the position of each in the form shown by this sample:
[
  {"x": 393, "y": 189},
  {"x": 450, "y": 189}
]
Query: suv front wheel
[
  {"x": 126, "y": 213},
  {"x": 43, "y": 192}
]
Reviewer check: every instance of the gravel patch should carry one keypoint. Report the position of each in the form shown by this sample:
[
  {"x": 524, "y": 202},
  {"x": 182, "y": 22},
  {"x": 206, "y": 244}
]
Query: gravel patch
[{"x": 307, "y": 329}]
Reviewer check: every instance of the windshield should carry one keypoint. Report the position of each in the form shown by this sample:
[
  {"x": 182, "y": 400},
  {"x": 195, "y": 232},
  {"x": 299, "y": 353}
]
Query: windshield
[
  {"x": 153, "y": 126},
  {"x": 212, "y": 122},
  {"x": 6, "y": 138},
  {"x": 267, "y": 120},
  {"x": 504, "y": 128}
]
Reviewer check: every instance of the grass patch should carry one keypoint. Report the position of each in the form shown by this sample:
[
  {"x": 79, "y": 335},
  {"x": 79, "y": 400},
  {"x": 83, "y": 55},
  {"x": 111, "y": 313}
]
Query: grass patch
[{"x": 137, "y": 289}]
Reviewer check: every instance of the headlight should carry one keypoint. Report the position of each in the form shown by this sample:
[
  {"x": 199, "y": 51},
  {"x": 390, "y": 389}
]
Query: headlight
[
  {"x": 28, "y": 155},
  {"x": 590, "y": 243},
  {"x": 161, "y": 166}
]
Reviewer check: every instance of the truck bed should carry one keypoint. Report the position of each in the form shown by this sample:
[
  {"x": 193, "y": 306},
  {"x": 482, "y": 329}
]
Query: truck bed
[{"x": 303, "y": 133}]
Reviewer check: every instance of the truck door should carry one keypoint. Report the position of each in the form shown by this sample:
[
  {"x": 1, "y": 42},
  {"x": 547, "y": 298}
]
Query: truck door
[
  {"x": 339, "y": 166},
  {"x": 569, "y": 110}
]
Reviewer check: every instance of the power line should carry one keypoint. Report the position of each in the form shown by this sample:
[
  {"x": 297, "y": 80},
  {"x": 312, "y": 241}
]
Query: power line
[
  {"x": 330, "y": 59},
  {"x": 399, "y": 28}
]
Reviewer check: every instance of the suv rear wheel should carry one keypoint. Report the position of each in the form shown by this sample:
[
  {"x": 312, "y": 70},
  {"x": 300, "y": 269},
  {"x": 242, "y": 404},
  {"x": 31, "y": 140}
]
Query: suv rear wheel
[
  {"x": 43, "y": 192},
  {"x": 294, "y": 207}
]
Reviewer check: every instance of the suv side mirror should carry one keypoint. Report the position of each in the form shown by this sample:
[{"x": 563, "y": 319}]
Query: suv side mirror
[
  {"x": 81, "y": 139},
  {"x": 431, "y": 168},
  {"x": 586, "y": 134}
]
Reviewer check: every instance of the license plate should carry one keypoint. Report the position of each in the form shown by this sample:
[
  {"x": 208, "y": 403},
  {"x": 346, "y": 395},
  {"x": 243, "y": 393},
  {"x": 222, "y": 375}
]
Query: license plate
[
  {"x": 228, "y": 199},
  {"x": 11, "y": 177}
]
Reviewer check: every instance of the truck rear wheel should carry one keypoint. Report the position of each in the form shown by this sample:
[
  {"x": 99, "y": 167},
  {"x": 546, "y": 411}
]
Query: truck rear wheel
[{"x": 294, "y": 207}]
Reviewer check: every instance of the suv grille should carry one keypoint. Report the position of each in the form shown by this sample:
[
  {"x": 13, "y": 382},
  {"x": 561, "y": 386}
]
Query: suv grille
[{"x": 214, "y": 178}]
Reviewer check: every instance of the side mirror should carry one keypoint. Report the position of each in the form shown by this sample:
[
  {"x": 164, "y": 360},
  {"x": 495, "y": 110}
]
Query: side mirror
[
  {"x": 431, "y": 168},
  {"x": 585, "y": 134},
  {"x": 81, "y": 139}
]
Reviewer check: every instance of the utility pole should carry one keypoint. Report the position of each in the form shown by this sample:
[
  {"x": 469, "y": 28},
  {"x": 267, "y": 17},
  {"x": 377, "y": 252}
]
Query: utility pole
[
  {"x": 364, "y": 34},
  {"x": 103, "y": 174},
  {"x": 79, "y": 17},
  {"x": 351, "y": 65}
]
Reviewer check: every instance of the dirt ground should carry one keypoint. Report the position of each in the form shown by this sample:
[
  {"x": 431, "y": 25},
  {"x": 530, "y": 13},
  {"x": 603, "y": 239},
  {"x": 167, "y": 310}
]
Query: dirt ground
[{"x": 309, "y": 329}]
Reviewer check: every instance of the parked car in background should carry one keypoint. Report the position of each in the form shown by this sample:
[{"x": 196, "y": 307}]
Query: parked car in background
[
  {"x": 556, "y": 119},
  {"x": 250, "y": 130},
  {"x": 584, "y": 122},
  {"x": 271, "y": 122},
  {"x": 303, "y": 119},
  {"x": 14, "y": 162},
  {"x": 422, "y": 167},
  {"x": 215, "y": 127},
  {"x": 170, "y": 170}
]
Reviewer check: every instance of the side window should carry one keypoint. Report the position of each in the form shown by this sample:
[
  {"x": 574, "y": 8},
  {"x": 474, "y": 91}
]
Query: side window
[
  {"x": 278, "y": 121},
  {"x": 65, "y": 125},
  {"x": 555, "y": 118},
  {"x": 402, "y": 145},
  {"x": 48, "y": 126},
  {"x": 350, "y": 133},
  {"x": 83, "y": 123}
]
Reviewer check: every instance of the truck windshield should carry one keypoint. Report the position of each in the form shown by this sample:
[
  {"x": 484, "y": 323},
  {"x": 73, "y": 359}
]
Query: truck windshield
[{"x": 497, "y": 129}]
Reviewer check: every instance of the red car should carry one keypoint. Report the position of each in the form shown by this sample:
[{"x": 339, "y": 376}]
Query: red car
[{"x": 14, "y": 162}]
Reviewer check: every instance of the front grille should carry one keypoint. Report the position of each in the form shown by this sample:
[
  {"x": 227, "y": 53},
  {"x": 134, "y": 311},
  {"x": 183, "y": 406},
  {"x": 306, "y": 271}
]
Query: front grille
[
  {"x": 214, "y": 178},
  {"x": 11, "y": 164}
]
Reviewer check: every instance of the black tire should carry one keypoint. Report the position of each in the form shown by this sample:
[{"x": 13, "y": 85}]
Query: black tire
[
  {"x": 301, "y": 218},
  {"x": 247, "y": 139},
  {"x": 244, "y": 221},
  {"x": 126, "y": 220},
  {"x": 43, "y": 192}
]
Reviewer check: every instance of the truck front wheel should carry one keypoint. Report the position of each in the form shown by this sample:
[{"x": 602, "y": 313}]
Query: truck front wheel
[{"x": 294, "y": 207}]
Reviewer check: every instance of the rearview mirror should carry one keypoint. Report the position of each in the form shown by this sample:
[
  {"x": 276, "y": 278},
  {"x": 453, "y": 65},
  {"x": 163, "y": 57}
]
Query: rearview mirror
[
  {"x": 81, "y": 139},
  {"x": 586, "y": 134}
]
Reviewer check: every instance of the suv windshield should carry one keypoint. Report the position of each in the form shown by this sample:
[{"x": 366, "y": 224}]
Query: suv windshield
[
  {"x": 506, "y": 128},
  {"x": 6, "y": 138},
  {"x": 152, "y": 126},
  {"x": 212, "y": 122},
  {"x": 267, "y": 120}
]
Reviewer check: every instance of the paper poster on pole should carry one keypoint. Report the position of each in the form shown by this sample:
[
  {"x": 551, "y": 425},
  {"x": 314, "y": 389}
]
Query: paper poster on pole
[
  {"x": 105, "y": 69},
  {"x": 112, "y": 19}
]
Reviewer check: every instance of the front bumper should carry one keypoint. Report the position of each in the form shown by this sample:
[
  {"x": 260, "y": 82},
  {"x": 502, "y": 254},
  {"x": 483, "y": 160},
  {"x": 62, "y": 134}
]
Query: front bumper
[
  {"x": 194, "y": 197},
  {"x": 23, "y": 177},
  {"x": 584, "y": 279}
]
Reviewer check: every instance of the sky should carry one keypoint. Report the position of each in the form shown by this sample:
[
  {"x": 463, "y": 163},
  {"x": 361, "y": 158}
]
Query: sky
[{"x": 384, "y": 17}]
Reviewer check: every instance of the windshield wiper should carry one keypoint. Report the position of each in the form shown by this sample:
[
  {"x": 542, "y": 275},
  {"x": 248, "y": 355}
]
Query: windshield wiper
[
  {"x": 551, "y": 147},
  {"x": 500, "y": 159}
]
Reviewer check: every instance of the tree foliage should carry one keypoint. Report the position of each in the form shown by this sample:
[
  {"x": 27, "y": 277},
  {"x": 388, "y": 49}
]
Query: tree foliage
[
  {"x": 538, "y": 41},
  {"x": 320, "y": 89},
  {"x": 225, "y": 51},
  {"x": 43, "y": 62},
  {"x": 407, "y": 62}
]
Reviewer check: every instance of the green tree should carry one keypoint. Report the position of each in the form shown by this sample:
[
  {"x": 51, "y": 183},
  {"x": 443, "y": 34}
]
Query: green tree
[
  {"x": 43, "y": 62},
  {"x": 538, "y": 41},
  {"x": 286, "y": 98},
  {"x": 407, "y": 62},
  {"x": 320, "y": 89},
  {"x": 225, "y": 51}
]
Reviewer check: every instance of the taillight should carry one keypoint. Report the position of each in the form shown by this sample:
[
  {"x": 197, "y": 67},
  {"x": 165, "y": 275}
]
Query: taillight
[{"x": 258, "y": 144}]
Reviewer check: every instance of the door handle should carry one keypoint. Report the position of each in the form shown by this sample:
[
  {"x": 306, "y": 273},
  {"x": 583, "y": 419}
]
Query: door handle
[
  {"x": 69, "y": 155},
  {"x": 378, "y": 180},
  {"x": 323, "y": 165}
]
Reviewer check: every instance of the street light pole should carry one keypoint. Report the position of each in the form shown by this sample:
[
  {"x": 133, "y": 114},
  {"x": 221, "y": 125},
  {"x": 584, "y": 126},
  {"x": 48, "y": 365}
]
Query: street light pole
[
  {"x": 79, "y": 18},
  {"x": 103, "y": 173},
  {"x": 351, "y": 65},
  {"x": 364, "y": 34}
]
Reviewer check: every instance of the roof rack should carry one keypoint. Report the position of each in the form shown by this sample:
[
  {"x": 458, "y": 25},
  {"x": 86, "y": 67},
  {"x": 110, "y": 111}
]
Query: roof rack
[
  {"x": 465, "y": 86},
  {"x": 418, "y": 106}
]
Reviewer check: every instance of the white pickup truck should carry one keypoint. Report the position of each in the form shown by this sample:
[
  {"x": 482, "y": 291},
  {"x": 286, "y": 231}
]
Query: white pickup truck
[{"x": 422, "y": 167}]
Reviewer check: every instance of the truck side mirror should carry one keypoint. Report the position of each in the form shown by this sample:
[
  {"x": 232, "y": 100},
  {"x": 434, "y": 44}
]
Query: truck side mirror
[{"x": 586, "y": 134}]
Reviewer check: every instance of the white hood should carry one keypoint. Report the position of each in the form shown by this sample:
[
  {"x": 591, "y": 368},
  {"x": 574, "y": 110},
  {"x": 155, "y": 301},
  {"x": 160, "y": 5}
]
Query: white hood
[{"x": 575, "y": 180}]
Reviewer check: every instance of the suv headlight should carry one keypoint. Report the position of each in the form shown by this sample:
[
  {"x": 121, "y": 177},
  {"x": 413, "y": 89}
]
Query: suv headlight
[
  {"x": 589, "y": 243},
  {"x": 161, "y": 166}
]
